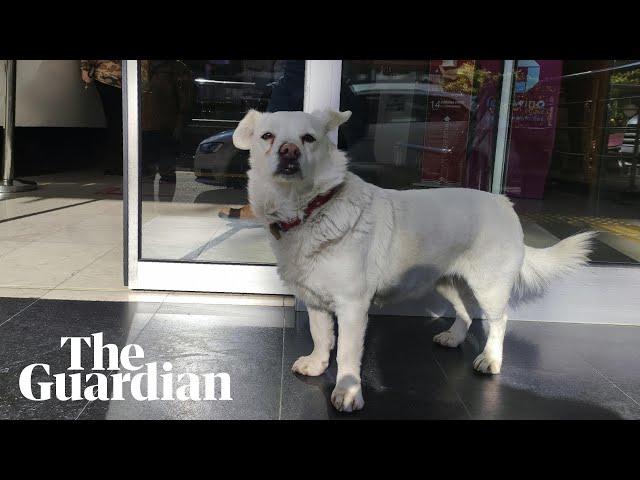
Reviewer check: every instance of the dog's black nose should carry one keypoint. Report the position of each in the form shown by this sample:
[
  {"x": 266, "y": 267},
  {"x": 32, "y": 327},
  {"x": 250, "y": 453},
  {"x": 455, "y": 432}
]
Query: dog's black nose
[{"x": 289, "y": 151}]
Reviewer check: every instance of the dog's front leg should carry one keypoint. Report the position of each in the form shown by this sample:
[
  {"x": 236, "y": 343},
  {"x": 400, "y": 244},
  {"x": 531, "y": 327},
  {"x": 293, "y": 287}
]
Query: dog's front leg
[
  {"x": 321, "y": 326},
  {"x": 352, "y": 324}
]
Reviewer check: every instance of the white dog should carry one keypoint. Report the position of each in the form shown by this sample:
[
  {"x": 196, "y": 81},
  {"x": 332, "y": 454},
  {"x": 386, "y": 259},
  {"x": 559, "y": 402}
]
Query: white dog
[{"x": 342, "y": 243}]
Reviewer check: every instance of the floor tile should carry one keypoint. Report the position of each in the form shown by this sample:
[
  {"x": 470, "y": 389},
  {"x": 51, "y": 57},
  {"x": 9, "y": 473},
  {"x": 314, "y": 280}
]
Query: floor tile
[
  {"x": 86, "y": 232},
  {"x": 16, "y": 292},
  {"x": 544, "y": 376},
  {"x": 525, "y": 394},
  {"x": 209, "y": 343},
  {"x": 101, "y": 295},
  {"x": 45, "y": 265},
  {"x": 10, "y": 306},
  {"x": 229, "y": 299},
  {"x": 400, "y": 378},
  {"x": 550, "y": 370},
  {"x": 34, "y": 335},
  {"x": 7, "y": 246},
  {"x": 105, "y": 273}
]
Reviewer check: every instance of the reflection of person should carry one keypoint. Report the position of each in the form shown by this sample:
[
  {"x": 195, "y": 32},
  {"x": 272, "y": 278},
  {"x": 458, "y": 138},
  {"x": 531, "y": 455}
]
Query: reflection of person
[
  {"x": 108, "y": 81},
  {"x": 167, "y": 100}
]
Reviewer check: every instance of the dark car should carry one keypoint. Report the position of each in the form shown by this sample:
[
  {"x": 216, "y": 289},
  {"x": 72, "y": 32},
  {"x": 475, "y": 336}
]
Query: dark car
[
  {"x": 387, "y": 151},
  {"x": 218, "y": 162}
]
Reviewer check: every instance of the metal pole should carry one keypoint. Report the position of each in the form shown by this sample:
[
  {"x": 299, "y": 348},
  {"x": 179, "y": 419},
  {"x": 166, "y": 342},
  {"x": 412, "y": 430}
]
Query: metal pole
[
  {"x": 9, "y": 121},
  {"x": 8, "y": 183}
]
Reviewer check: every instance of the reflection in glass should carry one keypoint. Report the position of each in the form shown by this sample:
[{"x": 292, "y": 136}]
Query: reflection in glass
[
  {"x": 193, "y": 179},
  {"x": 572, "y": 159},
  {"x": 422, "y": 123}
]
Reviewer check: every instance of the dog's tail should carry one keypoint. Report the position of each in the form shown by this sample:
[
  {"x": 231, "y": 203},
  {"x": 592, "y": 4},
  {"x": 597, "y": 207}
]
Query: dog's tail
[{"x": 541, "y": 265}]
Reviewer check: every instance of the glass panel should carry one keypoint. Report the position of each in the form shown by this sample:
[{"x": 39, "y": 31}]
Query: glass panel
[
  {"x": 421, "y": 123},
  {"x": 191, "y": 174},
  {"x": 573, "y": 153}
]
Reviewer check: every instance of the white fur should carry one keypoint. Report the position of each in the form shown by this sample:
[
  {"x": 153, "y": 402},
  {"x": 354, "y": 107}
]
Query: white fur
[{"x": 369, "y": 244}]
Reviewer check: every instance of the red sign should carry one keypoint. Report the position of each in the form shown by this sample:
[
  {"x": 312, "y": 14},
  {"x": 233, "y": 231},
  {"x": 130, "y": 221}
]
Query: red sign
[
  {"x": 447, "y": 127},
  {"x": 533, "y": 126}
]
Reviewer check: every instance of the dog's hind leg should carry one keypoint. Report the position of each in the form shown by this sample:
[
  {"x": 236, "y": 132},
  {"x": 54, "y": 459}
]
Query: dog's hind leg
[
  {"x": 492, "y": 298},
  {"x": 321, "y": 326},
  {"x": 451, "y": 290}
]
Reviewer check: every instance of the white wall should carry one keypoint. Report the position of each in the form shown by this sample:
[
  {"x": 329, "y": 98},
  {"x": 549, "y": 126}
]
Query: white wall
[{"x": 50, "y": 93}]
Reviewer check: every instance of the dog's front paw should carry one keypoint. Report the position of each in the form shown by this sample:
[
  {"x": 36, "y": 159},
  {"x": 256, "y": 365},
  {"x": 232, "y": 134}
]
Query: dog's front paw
[
  {"x": 310, "y": 366},
  {"x": 448, "y": 339},
  {"x": 347, "y": 399},
  {"x": 487, "y": 363}
]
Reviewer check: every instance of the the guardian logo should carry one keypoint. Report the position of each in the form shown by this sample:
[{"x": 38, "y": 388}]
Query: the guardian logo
[{"x": 145, "y": 385}]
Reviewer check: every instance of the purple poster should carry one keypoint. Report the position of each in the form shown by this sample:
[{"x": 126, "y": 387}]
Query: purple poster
[{"x": 533, "y": 125}]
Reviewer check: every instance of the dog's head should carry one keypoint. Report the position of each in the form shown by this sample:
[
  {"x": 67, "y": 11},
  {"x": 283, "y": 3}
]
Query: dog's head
[{"x": 289, "y": 146}]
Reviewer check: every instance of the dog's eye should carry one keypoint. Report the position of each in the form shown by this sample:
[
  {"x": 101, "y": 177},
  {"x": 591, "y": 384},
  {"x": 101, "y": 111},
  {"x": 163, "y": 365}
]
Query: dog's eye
[
  {"x": 308, "y": 138},
  {"x": 267, "y": 136}
]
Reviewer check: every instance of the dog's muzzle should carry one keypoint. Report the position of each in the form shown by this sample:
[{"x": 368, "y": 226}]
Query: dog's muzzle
[{"x": 288, "y": 161}]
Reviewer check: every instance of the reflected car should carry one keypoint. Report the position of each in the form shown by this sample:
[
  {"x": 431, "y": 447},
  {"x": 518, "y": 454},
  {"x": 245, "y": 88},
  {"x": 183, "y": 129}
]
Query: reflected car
[
  {"x": 218, "y": 162},
  {"x": 387, "y": 150}
]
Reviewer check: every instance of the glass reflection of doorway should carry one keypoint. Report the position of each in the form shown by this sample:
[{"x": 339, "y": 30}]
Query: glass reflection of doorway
[
  {"x": 193, "y": 179},
  {"x": 422, "y": 123},
  {"x": 558, "y": 137},
  {"x": 573, "y": 153},
  {"x": 190, "y": 227}
]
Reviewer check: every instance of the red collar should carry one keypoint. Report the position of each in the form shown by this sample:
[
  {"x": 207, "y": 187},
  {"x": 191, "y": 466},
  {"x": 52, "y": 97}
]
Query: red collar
[{"x": 313, "y": 205}]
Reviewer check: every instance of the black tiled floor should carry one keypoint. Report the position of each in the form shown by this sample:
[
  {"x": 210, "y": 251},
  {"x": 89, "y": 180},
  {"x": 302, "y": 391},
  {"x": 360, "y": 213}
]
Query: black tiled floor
[
  {"x": 252, "y": 356},
  {"x": 34, "y": 335},
  {"x": 10, "y": 306},
  {"x": 550, "y": 371},
  {"x": 400, "y": 376}
]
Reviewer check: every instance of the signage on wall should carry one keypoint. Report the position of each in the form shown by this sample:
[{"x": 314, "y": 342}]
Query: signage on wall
[
  {"x": 460, "y": 128},
  {"x": 447, "y": 123},
  {"x": 533, "y": 126},
  {"x": 530, "y": 75}
]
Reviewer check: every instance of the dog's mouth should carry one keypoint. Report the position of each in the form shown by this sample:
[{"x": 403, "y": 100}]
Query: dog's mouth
[{"x": 288, "y": 167}]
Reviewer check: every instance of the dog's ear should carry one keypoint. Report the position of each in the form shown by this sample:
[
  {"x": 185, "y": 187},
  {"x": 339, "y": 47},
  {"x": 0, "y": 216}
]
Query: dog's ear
[
  {"x": 332, "y": 119},
  {"x": 243, "y": 133}
]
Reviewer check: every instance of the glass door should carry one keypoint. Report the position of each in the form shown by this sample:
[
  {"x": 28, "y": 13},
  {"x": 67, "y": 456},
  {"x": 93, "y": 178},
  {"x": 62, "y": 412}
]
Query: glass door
[
  {"x": 558, "y": 137},
  {"x": 189, "y": 225},
  {"x": 422, "y": 123}
]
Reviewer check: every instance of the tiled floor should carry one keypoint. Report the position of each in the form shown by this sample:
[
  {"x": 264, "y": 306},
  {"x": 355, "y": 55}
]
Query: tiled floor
[{"x": 551, "y": 370}]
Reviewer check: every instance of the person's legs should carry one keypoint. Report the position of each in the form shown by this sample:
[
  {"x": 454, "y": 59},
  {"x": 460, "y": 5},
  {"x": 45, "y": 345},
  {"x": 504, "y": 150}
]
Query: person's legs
[
  {"x": 112, "y": 105},
  {"x": 168, "y": 158}
]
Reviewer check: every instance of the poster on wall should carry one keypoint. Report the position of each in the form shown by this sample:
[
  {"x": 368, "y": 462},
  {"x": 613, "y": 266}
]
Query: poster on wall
[
  {"x": 447, "y": 126},
  {"x": 533, "y": 127}
]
